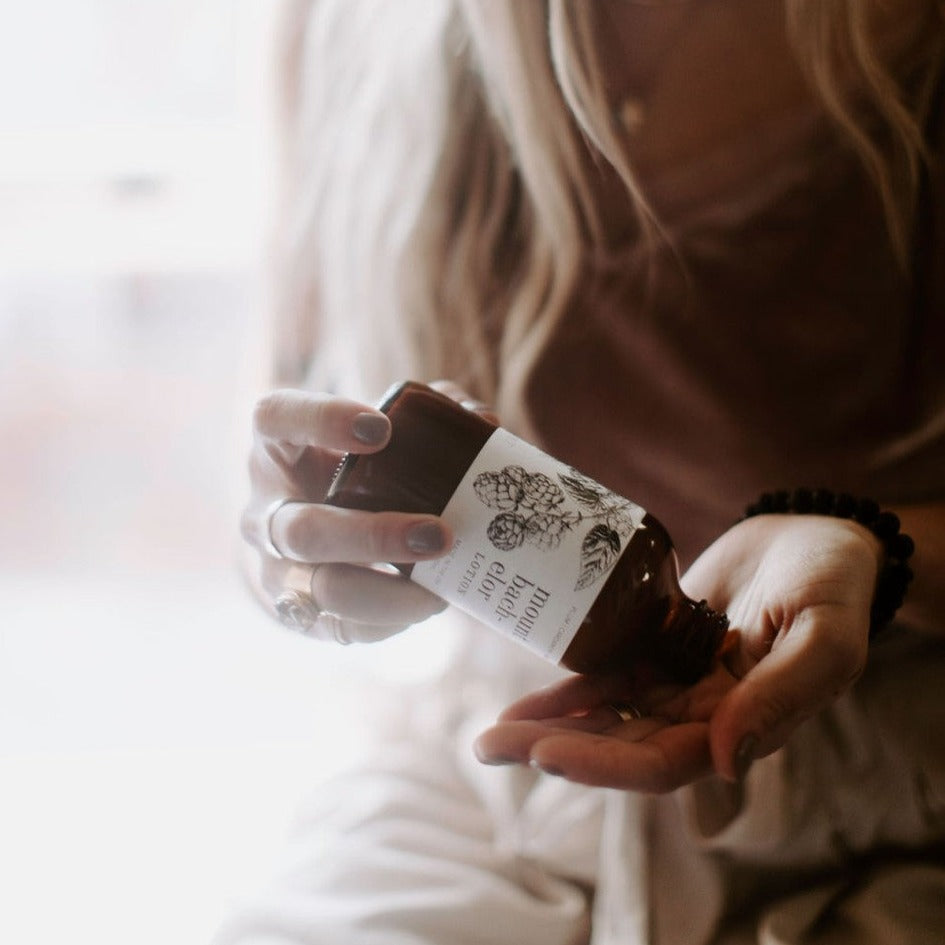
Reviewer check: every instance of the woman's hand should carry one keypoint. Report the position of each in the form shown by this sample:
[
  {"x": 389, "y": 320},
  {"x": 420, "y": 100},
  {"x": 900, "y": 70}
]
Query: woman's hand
[
  {"x": 797, "y": 590},
  {"x": 334, "y": 553}
]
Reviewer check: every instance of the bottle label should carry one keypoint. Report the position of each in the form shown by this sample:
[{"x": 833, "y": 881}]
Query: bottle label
[{"x": 535, "y": 543}]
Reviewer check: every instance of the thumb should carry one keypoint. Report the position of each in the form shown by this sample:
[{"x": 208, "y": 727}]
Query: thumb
[{"x": 808, "y": 667}]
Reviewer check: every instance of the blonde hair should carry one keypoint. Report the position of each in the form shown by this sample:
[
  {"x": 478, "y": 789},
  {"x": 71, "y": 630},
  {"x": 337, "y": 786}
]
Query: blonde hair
[{"x": 440, "y": 208}]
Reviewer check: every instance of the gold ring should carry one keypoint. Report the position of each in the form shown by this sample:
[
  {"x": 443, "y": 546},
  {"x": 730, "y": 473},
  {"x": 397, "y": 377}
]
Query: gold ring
[
  {"x": 296, "y": 607},
  {"x": 626, "y": 710}
]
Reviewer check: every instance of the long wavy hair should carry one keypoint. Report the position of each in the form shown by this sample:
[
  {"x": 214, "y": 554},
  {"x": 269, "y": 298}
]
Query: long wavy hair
[{"x": 439, "y": 208}]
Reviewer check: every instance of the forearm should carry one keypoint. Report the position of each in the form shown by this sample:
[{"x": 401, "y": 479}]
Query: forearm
[{"x": 924, "y": 607}]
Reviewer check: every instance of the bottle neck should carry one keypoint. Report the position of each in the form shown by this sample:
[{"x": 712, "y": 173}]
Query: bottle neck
[{"x": 689, "y": 638}]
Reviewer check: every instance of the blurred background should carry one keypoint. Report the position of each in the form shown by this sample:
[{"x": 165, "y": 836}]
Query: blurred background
[{"x": 156, "y": 731}]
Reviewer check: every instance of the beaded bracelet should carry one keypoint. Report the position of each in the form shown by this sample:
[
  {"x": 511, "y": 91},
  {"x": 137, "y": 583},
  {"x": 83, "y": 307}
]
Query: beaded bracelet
[{"x": 895, "y": 574}]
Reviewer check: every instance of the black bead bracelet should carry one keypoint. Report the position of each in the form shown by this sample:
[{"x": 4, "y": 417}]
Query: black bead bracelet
[{"x": 895, "y": 574}]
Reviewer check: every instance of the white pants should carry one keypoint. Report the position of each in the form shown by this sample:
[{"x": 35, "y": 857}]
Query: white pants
[
  {"x": 423, "y": 845},
  {"x": 426, "y": 846}
]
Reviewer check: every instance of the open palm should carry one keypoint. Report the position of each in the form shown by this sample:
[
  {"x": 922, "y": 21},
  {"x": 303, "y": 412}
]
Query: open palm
[{"x": 797, "y": 590}]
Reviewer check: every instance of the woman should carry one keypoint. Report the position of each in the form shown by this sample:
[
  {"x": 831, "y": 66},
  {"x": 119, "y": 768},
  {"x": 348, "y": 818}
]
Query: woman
[{"x": 708, "y": 235}]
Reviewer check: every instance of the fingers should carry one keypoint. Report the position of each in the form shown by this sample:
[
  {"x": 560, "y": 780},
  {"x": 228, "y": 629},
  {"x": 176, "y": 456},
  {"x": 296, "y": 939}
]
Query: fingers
[
  {"x": 368, "y": 597},
  {"x": 512, "y": 742},
  {"x": 661, "y": 757},
  {"x": 808, "y": 668},
  {"x": 576, "y": 694},
  {"x": 299, "y": 438},
  {"x": 295, "y": 419},
  {"x": 646, "y": 754},
  {"x": 321, "y": 533},
  {"x": 333, "y": 628},
  {"x": 345, "y": 603},
  {"x": 570, "y": 729}
]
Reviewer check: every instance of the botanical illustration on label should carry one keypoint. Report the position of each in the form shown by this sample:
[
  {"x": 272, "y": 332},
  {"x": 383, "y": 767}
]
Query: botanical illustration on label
[
  {"x": 532, "y": 508},
  {"x": 535, "y": 540}
]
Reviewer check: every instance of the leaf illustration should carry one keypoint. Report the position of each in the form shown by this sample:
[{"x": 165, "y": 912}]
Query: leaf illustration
[
  {"x": 599, "y": 551},
  {"x": 587, "y": 492}
]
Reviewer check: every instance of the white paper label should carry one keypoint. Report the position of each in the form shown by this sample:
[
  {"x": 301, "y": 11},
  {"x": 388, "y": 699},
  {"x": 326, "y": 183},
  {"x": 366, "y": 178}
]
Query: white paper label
[{"x": 535, "y": 542}]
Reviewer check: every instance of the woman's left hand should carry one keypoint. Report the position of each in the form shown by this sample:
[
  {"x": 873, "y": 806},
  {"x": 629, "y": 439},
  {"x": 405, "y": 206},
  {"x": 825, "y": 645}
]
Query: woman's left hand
[{"x": 797, "y": 590}]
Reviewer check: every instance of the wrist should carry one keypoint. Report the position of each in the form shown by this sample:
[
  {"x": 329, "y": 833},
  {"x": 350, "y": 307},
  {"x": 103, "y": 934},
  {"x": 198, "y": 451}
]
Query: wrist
[{"x": 894, "y": 574}]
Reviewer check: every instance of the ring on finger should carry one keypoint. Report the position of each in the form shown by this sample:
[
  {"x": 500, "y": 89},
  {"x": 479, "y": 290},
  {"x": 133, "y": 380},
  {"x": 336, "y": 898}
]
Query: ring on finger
[
  {"x": 296, "y": 606},
  {"x": 626, "y": 710},
  {"x": 336, "y": 627},
  {"x": 269, "y": 546}
]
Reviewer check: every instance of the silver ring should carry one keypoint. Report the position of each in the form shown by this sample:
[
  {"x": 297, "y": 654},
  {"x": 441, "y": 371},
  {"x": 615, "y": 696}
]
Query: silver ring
[
  {"x": 336, "y": 627},
  {"x": 296, "y": 607},
  {"x": 269, "y": 546},
  {"x": 626, "y": 710}
]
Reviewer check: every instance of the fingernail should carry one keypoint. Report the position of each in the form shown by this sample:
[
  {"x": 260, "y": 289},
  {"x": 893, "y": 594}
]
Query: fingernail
[
  {"x": 553, "y": 770},
  {"x": 497, "y": 760},
  {"x": 425, "y": 538},
  {"x": 744, "y": 756},
  {"x": 371, "y": 429}
]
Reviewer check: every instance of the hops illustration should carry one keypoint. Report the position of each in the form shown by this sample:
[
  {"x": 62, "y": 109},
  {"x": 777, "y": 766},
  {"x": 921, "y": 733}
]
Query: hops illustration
[
  {"x": 507, "y": 531},
  {"x": 516, "y": 473},
  {"x": 541, "y": 493},
  {"x": 500, "y": 490},
  {"x": 545, "y": 530},
  {"x": 532, "y": 508}
]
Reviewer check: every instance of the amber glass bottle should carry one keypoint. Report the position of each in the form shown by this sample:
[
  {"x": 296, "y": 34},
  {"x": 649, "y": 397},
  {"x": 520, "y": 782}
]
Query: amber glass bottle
[{"x": 544, "y": 554}]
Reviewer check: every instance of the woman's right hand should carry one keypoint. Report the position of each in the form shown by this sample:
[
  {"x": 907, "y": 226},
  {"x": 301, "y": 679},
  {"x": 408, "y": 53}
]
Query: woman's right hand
[{"x": 318, "y": 564}]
